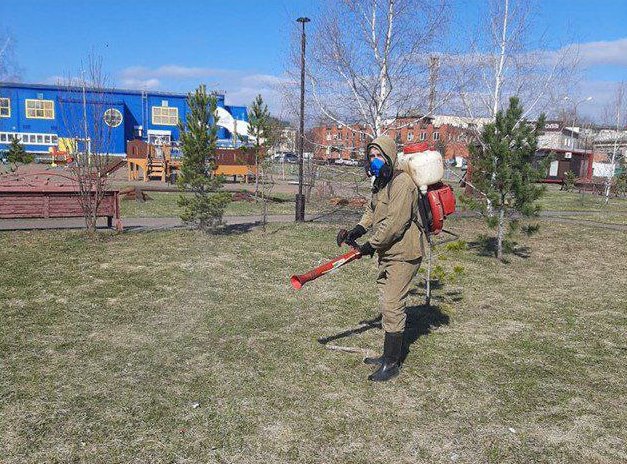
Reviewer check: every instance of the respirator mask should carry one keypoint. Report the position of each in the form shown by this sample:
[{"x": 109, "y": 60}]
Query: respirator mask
[
  {"x": 375, "y": 167},
  {"x": 380, "y": 173}
]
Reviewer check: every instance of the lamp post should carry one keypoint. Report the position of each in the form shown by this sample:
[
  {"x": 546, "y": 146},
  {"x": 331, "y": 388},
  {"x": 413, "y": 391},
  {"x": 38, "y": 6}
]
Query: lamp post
[
  {"x": 576, "y": 103},
  {"x": 300, "y": 198}
]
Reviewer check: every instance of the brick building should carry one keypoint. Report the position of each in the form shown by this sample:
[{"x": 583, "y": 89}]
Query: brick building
[{"x": 448, "y": 134}]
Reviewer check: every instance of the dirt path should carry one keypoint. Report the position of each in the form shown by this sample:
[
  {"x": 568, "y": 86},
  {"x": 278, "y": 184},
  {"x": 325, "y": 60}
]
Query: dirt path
[{"x": 339, "y": 216}]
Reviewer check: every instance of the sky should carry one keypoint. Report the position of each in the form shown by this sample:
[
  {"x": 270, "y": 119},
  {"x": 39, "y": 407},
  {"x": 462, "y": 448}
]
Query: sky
[{"x": 241, "y": 47}]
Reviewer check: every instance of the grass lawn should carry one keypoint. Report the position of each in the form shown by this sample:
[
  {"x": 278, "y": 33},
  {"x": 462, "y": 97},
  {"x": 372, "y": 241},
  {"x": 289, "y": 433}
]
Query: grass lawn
[
  {"x": 557, "y": 200},
  {"x": 605, "y": 218},
  {"x": 164, "y": 204},
  {"x": 175, "y": 346}
]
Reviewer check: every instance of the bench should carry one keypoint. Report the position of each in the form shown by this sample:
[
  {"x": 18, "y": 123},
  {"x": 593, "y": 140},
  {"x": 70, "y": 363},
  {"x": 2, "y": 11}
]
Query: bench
[{"x": 39, "y": 196}]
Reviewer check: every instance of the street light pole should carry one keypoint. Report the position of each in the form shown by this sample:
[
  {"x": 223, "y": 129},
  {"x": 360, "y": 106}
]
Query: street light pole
[
  {"x": 576, "y": 104},
  {"x": 300, "y": 198}
]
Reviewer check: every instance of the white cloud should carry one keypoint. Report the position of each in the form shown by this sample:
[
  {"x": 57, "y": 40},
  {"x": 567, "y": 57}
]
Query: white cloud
[
  {"x": 612, "y": 53},
  {"x": 264, "y": 79},
  {"x": 240, "y": 87},
  {"x": 603, "y": 52},
  {"x": 58, "y": 80},
  {"x": 133, "y": 83},
  {"x": 170, "y": 72},
  {"x": 603, "y": 94}
]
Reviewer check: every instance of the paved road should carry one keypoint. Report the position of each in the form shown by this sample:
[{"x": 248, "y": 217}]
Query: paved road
[{"x": 340, "y": 216}]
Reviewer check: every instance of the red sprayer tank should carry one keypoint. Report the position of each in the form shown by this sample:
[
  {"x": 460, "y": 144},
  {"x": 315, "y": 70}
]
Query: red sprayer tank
[{"x": 426, "y": 168}]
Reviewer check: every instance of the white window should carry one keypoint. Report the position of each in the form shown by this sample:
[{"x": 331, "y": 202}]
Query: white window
[
  {"x": 328, "y": 136},
  {"x": 553, "y": 168},
  {"x": 410, "y": 136},
  {"x": 436, "y": 136},
  {"x": 423, "y": 136},
  {"x": 30, "y": 139},
  {"x": 5, "y": 108},
  {"x": 159, "y": 137},
  {"x": 165, "y": 116},
  {"x": 156, "y": 139},
  {"x": 112, "y": 117},
  {"x": 40, "y": 109}
]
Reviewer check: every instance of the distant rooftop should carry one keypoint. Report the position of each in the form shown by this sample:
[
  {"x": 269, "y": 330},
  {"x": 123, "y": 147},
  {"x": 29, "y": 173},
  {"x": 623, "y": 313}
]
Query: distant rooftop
[{"x": 107, "y": 90}]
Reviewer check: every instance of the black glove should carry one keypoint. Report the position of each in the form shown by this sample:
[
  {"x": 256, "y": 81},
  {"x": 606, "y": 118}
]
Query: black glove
[
  {"x": 349, "y": 237},
  {"x": 366, "y": 249}
]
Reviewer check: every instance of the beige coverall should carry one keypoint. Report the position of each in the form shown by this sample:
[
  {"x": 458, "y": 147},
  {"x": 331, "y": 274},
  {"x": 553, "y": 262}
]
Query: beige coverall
[{"x": 396, "y": 238}]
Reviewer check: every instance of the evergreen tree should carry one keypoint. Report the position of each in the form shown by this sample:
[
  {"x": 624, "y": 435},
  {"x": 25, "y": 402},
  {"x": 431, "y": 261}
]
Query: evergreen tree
[
  {"x": 503, "y": 170},
  {"x": 569, "y": 181},
  {"x": 16, "y": 154},
  {"x": 258, "y": 129},
  {"x": 199, "y": 135}
]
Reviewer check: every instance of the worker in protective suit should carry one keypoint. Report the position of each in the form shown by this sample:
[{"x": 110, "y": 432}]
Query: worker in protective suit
[{"x": 397, "y": 240}]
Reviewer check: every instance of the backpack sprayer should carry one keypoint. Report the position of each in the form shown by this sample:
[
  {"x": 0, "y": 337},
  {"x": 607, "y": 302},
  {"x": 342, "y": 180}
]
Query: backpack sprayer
[{"x": 436, "y": 202}]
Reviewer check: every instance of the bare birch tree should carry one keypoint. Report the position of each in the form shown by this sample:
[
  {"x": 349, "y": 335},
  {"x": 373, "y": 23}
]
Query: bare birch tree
[
  {"x": 619, "y": 112},
  {"x": 504, "y": 60},
  {"x": 9, "y": 68},
  {"x": 85, "y": 106},
  {"x": 368, "y": 61}
]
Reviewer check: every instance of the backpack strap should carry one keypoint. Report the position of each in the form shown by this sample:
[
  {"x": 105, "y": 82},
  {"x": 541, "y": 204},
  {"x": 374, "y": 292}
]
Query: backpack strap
[{"x": 420, "y": 213}]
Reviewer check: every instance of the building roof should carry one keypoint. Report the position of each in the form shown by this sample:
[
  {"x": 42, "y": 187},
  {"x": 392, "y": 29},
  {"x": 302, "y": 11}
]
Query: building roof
[
  {"x": 459, "y": 121},
  {"x": 91, "y": 89},
  {"x": 608, "y": 136}
]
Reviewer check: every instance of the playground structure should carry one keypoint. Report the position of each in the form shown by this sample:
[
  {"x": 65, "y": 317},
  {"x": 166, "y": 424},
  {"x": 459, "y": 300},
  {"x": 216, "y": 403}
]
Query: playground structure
[
  {"x": 150, "y": 161},
  {"x": 236, "y": 163},
  {"x": 51, "y": 195}
]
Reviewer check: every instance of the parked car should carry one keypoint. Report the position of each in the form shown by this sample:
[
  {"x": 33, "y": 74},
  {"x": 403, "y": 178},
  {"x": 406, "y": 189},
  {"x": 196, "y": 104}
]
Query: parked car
[
  {"x": 346, "y": 162},
  {"x": 290, "y": 158}
]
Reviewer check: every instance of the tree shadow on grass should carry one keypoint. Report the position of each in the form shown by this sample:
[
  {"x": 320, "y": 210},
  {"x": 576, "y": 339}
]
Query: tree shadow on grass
[
  {"x": 421, "y": 320},
  {"x": 238, "y": 229},
  {"x": 448, "y": 295},
  {"x": 486, "y": 246}
]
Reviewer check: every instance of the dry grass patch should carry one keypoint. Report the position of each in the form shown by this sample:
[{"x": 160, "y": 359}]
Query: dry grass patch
[{"x": 181, "y": 347}]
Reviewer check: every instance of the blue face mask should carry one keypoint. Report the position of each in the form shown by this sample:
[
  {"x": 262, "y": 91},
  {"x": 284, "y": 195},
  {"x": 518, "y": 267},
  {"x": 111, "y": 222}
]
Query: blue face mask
[{"x": 375, "y": 166}]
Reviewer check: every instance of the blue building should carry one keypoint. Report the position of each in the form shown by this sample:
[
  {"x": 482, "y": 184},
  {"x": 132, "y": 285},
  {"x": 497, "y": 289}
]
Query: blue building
[{"x": 43, "y": 116}]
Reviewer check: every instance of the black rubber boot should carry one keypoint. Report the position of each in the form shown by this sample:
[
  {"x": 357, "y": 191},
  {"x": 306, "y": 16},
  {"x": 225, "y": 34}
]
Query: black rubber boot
[{"x": 390, "y": 367}]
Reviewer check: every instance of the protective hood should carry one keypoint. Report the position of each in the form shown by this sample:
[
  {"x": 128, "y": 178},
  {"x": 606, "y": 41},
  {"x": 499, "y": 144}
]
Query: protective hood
[{"x": 387, "y": 146}]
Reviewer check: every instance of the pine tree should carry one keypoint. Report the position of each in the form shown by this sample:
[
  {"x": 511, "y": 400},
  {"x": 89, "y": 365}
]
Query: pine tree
[
  {"x": 16, "y": 154},
  {"x": 199, "y": 135},
  {"x": 503, "y": 170},
  {"x": 258, "y": 128}
]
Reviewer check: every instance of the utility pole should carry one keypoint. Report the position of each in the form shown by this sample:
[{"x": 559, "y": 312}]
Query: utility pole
[
  {"x": 300, "y": 198},
  {"x": 434, "y": 66}
]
